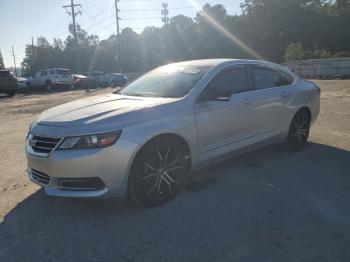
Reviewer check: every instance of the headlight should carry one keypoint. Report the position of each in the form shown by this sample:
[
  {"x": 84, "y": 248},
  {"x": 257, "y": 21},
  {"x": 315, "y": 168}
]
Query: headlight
[{"x": 90, "y": 141}]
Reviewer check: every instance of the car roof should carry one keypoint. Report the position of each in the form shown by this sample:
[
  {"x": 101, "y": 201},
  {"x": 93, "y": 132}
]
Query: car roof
[
  {"x": 219, "y": 61},
  {"x": 56, "y": 68},
  {"x": 81, "y": 76}
]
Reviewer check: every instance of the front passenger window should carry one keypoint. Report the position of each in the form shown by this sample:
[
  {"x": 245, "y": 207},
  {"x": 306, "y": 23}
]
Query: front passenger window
[{"x": 226, "y": 83}]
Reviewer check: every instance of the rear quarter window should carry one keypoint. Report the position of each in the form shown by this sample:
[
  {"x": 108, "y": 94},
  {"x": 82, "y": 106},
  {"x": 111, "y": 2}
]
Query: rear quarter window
[{"x": 285, "y": 78}]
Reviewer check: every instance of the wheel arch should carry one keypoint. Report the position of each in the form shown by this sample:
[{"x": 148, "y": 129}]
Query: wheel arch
[
  {"x": 304, "y": 108},
  {"x": 178, "y": 137}
]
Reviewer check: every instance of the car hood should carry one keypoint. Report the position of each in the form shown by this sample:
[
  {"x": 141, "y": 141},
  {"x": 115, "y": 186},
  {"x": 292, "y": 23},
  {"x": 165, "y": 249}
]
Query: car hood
[{"x": 102, "y": 110}]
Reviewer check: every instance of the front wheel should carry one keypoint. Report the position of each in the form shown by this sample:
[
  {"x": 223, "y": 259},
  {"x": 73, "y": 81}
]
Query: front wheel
[
  {"x": 299, "y": 130},
  {"x": 158, "y": 171}
]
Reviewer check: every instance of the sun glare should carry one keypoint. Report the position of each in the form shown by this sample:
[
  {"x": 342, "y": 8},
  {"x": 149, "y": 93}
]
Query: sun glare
[{"x": 224, "y": 31}]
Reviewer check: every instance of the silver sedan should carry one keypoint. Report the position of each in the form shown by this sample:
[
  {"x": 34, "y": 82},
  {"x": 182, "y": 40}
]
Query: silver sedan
[{"x": 143, "y": 140}]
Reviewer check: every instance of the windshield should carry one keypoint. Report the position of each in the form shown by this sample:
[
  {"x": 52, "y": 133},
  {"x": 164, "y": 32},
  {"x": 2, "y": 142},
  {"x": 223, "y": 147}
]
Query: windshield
[
  {"x": 173, "y": 81},
  {"x": 97, "y": 74},
  {"x": 63, "y": 72},
  {"x": 6, "y": 74}
]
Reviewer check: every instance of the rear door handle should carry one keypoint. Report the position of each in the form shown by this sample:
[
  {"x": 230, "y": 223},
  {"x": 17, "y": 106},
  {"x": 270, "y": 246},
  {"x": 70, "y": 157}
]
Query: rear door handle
[{"x": 247, "y": 102}]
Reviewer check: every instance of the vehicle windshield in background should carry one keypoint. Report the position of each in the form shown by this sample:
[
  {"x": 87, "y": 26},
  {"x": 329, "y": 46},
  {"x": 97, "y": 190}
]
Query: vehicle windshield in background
[
  {"x": 172, "y": 81},
  {"x": 97, "y": 74},
  {"x": 63, "y": 72},
  {"x": 6, "y": 74}
]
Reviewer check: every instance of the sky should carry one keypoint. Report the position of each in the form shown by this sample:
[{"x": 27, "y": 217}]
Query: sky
[{"x": 22, "y": 19}]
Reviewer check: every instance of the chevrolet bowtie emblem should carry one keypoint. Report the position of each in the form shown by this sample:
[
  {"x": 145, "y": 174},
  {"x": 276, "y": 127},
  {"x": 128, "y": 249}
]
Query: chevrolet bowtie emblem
[{"x": 32, "y": 142}]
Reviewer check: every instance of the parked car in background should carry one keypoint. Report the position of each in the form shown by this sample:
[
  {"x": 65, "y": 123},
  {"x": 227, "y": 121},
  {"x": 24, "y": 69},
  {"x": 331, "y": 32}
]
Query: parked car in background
[
  {"x": 143, "y": 140},
  {"x": 8, "y": 83},
  {"x": 82, "y": 82},
  {"x": 100, "y": 79},
  {"x": 51, "y": 78},
  {"x": 21, "y": 83},
  {"x": 117, "y": 80}
]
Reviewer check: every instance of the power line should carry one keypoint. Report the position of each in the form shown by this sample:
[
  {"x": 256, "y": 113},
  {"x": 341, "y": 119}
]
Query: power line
[
  {"x": 158, "y": 9},
  {"x": 99, "y": 22},
  {"x": 141, "y": 18},
  {"x": 96, "y": 15}
]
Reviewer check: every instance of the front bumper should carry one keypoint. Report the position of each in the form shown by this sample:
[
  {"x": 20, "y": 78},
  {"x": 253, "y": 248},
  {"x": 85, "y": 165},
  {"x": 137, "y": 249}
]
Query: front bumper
[{"x": 111, "y": 165}]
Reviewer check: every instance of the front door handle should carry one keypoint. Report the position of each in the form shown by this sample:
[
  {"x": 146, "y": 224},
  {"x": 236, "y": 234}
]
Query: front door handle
[
  {"x": 284, "y": 94},
  {"x": 247, "y": 102}
]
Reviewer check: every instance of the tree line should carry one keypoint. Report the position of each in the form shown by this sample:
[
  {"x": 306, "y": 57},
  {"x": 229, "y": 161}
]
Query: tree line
[{"x": 273, "y": 30}]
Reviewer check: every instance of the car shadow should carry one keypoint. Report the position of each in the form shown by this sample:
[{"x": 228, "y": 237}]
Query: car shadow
[
  {"x": 4, "y": 96},
  {"x": 269, "y": 204}
]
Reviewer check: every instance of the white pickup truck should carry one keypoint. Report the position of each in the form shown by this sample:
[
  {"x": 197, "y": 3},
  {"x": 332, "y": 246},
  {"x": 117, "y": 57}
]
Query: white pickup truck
[{"x": 51, "y": 78}]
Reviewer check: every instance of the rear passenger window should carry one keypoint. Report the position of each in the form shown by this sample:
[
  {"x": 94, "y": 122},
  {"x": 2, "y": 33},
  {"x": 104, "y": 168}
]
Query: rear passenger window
[
  {"x": 268, "y": 78},
  {"x": 52, "y": 72}
]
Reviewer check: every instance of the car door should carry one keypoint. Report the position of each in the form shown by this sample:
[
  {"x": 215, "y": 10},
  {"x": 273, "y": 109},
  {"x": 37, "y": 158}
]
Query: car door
[
  {"x": 273, "y": 89},
  {"x": 35, "y": 80},
  {"x": 43, "y": 78},
  {"x": 225, "y": 116}
]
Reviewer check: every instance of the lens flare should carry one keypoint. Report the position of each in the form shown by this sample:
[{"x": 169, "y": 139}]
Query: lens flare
[{"x": 224, "y": 31}]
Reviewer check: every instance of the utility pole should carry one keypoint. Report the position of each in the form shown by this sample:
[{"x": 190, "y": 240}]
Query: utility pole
[
  {"x": 165, "y": 13},
  {"x": 73, "y": 14},
  {"x": 32, "y": 49},
  {"x": 32, "y": 64},
  {"x": 14, "y": 60},
  {"x": 118, "y": 35}
]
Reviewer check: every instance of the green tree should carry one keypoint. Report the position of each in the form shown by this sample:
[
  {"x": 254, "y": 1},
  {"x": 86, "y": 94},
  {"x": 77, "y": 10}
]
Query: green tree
[
  {"x": 2, "y": 66},
  {"x": 294, "y": 52}
]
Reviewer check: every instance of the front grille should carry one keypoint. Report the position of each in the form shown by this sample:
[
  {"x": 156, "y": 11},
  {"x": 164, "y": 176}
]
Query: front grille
[
  {"x": 40, "y": 177},
  {"x": 41, "y": 144}
]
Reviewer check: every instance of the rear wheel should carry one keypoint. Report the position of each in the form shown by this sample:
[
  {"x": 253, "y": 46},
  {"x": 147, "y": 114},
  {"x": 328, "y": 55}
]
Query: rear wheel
[
  {"x": 299, "y": 130},
  {"x": 158, "y": 171},
  {"x": 49, "y": 86},
  {"x": 113, "y": 85},
  {"x": 11, "y": 93}
]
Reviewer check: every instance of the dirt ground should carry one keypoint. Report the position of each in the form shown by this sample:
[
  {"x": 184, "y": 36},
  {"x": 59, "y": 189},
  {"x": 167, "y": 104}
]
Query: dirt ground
[{"x": 269, "y": 205}]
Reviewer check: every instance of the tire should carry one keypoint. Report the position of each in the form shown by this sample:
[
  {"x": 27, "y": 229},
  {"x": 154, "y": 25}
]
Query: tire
[
  {"x": 158, "y": 171},
  {"x": 299, "y": 130},
  {"x": 11, "y": 93},
  {"x": 48, "y": 86}
]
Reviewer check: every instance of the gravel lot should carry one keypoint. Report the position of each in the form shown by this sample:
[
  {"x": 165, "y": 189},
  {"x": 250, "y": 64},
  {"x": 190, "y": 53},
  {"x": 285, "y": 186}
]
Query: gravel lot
[{"x": 269, "y": 205}]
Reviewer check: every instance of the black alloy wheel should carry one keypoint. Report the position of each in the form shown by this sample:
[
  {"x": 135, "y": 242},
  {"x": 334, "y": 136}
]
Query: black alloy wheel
[
  {"x": 158, "y": 171},
  {"x": 299, "y": 130}
]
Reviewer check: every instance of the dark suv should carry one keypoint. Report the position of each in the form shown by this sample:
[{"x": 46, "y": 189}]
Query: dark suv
[{"x": 8, "y": 83}]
